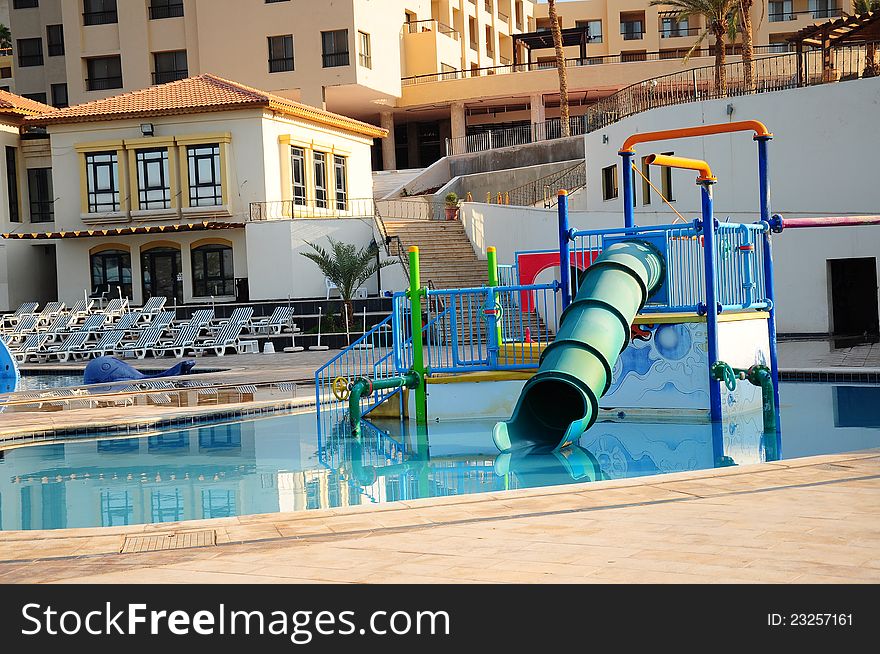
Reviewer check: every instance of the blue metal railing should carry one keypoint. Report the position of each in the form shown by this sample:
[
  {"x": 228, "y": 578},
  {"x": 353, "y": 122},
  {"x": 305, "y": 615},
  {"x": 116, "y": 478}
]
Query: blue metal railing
[
  {"x": 369, "y": 356},
  {"x": 461, "y": 328},
  {"x": 508, "y": 275},
  {"x": 739, "y": 266}
]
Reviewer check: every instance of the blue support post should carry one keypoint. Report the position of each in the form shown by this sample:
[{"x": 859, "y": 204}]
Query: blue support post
[
  {"x": 628, "y": 197},
  {"x": 564, "y": 249},
  {"x": 711, "y": 295},
  {"x": 764, "y": 191}
]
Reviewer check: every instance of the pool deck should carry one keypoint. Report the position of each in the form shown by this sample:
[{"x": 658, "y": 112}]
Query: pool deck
[{"x": 794, "y": 521}]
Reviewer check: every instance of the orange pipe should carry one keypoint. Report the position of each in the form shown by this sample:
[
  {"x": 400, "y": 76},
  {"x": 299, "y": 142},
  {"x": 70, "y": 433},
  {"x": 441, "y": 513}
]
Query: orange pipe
[
  {"x": 682, "y": 162},
  {"x": 703, "y": 130}
]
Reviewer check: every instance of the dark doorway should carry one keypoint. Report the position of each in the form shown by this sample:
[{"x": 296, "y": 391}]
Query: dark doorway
[
  {"x": 854, "y": 301},
  {"x": 163, "y": 274}
]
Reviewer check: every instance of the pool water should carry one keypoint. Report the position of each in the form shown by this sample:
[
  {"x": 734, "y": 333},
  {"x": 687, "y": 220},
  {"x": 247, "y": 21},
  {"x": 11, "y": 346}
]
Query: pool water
[
  {"x": 42, "y": 382},
  {"x": 281, "y": 463}
]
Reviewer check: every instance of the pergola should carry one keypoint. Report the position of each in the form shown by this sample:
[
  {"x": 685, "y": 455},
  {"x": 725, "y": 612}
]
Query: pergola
[
  {"x": 543, "y": 40},
  {"x": 864, "y": 28}
]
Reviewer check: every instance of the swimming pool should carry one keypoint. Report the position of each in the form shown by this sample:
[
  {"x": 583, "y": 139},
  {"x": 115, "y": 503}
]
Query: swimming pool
[
  {"x": 39, "y": 382},
  {"x": 280, "y": 463}
]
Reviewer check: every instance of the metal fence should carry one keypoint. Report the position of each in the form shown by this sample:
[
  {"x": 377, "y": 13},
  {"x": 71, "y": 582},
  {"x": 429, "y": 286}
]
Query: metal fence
[
  {"x": 312, "y": 209},
  {"x": 770, "y": 73},
  {"x": 473, "y": 329},
  {"x": 369, "y": 356},
  {"x": 739, "y": 264},
  {"x": 546, "y": 189}
]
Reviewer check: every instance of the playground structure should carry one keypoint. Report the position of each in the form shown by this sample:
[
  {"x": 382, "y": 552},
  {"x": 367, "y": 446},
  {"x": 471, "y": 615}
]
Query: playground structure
[{"x": 659, "y": 318}]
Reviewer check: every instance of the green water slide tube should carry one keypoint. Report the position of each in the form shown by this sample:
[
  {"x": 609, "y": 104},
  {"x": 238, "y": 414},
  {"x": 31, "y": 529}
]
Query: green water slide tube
[{"x": 561, "y": 401}]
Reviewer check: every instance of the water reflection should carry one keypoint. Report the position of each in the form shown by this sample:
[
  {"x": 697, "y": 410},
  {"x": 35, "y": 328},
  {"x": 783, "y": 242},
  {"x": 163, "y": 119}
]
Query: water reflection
[{"x": 283, "y": 464}]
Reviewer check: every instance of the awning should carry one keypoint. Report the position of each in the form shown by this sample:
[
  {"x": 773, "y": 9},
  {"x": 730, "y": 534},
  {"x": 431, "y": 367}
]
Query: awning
[{"x": 122, "y": 231}]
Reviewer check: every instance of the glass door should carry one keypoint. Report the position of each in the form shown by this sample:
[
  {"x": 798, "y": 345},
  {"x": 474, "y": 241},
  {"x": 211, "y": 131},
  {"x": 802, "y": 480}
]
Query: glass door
[{"x": 163, "y": 274}]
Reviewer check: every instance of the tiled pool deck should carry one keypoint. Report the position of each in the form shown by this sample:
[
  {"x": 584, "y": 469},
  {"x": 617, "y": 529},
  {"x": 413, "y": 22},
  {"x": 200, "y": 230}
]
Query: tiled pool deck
[{"x": 804, "y": 520}]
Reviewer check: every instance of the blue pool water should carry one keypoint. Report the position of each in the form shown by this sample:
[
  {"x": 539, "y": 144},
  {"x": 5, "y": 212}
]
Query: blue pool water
[
  {"x": 281, "y": 464},
  {"x": 30, "y": 382}
]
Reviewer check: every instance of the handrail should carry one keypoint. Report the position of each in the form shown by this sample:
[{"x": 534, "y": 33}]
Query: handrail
[
  {"x": 532, "y": 192},
  {"x": 701, "y": 130}
]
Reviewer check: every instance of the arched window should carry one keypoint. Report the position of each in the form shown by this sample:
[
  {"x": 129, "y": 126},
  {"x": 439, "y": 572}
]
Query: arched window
[
  {"x": 111, "y": 268},
  {"x": 212, "y": 270}
]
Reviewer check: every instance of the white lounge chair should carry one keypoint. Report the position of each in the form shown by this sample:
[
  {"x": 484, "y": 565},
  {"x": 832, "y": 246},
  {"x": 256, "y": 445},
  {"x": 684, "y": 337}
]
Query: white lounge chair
[
  {"x": 58, "y": 328},
  {"x": 227, "y": 337},
  {"x": 148, "y": 339},
  {"x": 25, "y": 309},
  {"x": 115, "y": 308},
  {"x": 51, "y": 311},
  {"x": 72, "y": 343},
  {"x": 29, "y": 349},
  {"x": 185, "y": 338},
  {"x": 108, "y": 344},
  {"x": 154, "y": 305},
  {"x": 25, "y": 327},
  {"x": 282, "y": 317},
  {"x": 81, "y": 310}
]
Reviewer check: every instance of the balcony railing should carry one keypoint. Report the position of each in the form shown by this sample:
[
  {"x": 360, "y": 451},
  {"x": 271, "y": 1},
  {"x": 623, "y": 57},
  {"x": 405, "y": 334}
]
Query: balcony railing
[
  {"x": 100, "y": 17},
  {"x": 312, "y": 209},
  {"x": 158, "y": 12},
  {"x": 103, "y": 83},
  {"x": 334, "y": 59},
  {"x": 573, "y": 62},
  {"x": 633, "y": 35},
  {"x": 770, "y": 73},
  {"x": 431, "y": 25},
  {"x": 165, "y": 76},
  {"x": 675, "y": 32},
  {"x": 781, "y": 16},
  {"x": 281, "y": 64}
]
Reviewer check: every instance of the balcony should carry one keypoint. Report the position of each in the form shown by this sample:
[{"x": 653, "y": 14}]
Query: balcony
[
  {"x": 103, "y": 83},
  {"x": 158, "y": 12},
  {"x": 100, "y": 18},
  {"x": 417, "y": 26},
  {"x": 776, "y": 16},
  {"x": 632, "y": 30},
  {"x": 280, "y": 65},
  {"x": 676, "y": 32}
]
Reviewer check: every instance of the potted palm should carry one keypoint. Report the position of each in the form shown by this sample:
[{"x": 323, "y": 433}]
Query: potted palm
[{"x": 451, "y": 206}]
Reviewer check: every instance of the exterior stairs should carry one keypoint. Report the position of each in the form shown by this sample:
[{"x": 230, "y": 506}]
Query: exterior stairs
[{"x": 448, "y": 259}]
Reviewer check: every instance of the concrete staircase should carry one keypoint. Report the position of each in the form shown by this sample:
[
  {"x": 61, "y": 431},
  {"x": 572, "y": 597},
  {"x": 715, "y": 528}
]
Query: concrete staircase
[{"x": 447, "y": 256}]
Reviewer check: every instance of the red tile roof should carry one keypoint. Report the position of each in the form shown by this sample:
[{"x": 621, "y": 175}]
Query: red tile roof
[
  {"x": 18, "y": 105},
  {"x": 203, "y": 93}
]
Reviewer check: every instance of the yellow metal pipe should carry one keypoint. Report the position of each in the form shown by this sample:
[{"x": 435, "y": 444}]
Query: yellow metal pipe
[{"x": 682, "y": 162}]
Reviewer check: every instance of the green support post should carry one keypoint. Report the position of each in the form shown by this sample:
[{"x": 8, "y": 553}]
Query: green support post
[
  {"x": 415, "y": 297},
  {"x": 492, "y": 258}
]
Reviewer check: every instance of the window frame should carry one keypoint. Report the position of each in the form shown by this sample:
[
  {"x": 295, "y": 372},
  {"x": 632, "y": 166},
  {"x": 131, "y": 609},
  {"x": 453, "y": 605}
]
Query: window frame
[
  {"x": 609, "y": 183},
  {"x": 298, "y": 165},
  {"x": 160, "y": 9},
  {"x": 365, "y": 50},
  {"x": 340, "y": 163},
  {"x": 12, "y": 193},
  {"x": 42, "y": 207},
  {"x": 336, "y": 58},
  {"x": 172, "y": 74},
  {"x": 193, "y": 170},
  {"x": 144, "y": 158},
  {"x": 102, "y": 16},
  {"x": 203, "y": 286},
  {"x": 104, "y": 255},
  {"x": 322, "y": 193},
  {"x": 33, "y": 59},
  {"x": 94, "y": 83},
  {"x": 55, "y": 48},
  {"x": 285, "y": 63},
  {"x": 55, "y": 101},
  {"x": 94, "y": 206}
]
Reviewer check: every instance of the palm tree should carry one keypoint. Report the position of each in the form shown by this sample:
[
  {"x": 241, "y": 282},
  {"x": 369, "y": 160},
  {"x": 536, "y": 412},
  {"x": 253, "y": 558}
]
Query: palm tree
[
  {"x": 5, "y": 36},
  {"x": 347, "y": 268},
  {"x": 748, "y": 51},
  {"x": 722, "y": 19},
  {"x": 872, "y": 67},
  {"x": 556, "y": 29}
]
